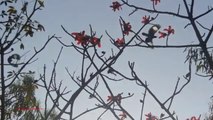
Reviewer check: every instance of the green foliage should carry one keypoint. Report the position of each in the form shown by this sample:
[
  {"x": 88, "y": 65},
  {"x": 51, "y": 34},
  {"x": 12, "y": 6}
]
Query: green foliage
[
  {"x": 200, "y": 60},
  {"x": 210, "y": 114},
  {"x": 22, "y": 102},
  {"x": 22, "y": 96},
  {"x": 17, "y": 23}
]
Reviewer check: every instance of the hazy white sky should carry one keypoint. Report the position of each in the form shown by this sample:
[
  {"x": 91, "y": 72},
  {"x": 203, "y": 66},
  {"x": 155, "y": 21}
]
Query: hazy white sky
[{"x": 159, "y": 67}]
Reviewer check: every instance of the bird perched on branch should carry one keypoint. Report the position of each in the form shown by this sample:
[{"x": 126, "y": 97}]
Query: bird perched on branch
[{"x": 151, "y": 34}]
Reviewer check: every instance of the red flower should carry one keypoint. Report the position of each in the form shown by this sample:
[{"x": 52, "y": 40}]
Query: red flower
[
  {"x": 123, "y": 115},
  {"x": 119, "y": 42},
  {"x": 116, "y": 6},
  {"x": 149, "y": 116},
  {"x": 155, "y": 1},
  {"x": 114, "y": 98},
  {"x": 145, "y": 19},
  {"x": 109, "y": 98},
  {"x": 162, "y": 34},
  {"x": 84, "y": 39},
  {"x": 169, "y": 30},
  {"x": 194, "y": 118},
  {"x": 127, "y": 28},
  {"x": 81, "y": 38},
  {"x": 96, "y": 41}
]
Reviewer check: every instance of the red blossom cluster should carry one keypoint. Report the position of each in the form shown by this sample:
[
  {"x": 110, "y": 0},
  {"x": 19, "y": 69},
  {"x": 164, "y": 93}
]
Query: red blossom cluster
[
  {"x": 84, "y": 39},
  {"x": 126, "y": 28},
  {"x": 155, "y": 1},
  {"x": 145, "y": 19},
  {"x": 193, "y": 118},
  {"x": 149, "y": 116},
  {"x": 167, "y": 32},
  {"x": 115, "y": 98},
  {"x": 162, "y": 34},
  {"x": 120, "y": 42},
  {"x": 116, "y": 6},
  {"x": 123, "y": 115}
]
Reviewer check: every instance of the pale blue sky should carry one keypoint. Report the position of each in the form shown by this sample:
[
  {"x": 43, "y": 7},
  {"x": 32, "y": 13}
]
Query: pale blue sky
[{"x": 160, "y": 67}]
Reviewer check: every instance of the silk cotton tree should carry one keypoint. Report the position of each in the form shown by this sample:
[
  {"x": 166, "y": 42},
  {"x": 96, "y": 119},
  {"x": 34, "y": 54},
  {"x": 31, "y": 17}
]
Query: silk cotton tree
[
  {"x": 98, "y": 71},
  {"x": 16, "y": 26},
  {"x": 98, "y": 67}
]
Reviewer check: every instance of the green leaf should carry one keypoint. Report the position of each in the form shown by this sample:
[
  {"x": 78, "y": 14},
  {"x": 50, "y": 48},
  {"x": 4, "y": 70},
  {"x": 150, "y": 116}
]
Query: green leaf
[
  {"x": 24, "y": 8},
  {"x": 40, "y": 27},
  {"x": 11, "y": 10},
  {"x": 22, "y": 46},
  {"x": 29, "y": 32},
  {"x": 10, "y": 73},
  {"x": 162, "y": 115},
  {"x": 41, "y": 3},
  {"x": 198, "y": 67}
]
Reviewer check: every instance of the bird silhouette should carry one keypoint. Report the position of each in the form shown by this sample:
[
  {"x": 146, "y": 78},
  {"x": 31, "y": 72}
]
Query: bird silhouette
[{"x": 151, "y": 33}]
